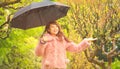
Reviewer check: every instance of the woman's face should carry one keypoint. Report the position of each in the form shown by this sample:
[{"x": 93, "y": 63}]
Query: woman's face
[{"x": 53, "y": 29}]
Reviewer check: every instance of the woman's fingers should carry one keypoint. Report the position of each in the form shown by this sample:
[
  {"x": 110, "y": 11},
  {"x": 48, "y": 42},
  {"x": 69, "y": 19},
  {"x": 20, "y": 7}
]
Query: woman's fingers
[
  {"x": 45, "y": 38},
  {"x": 92, "y": 39}
]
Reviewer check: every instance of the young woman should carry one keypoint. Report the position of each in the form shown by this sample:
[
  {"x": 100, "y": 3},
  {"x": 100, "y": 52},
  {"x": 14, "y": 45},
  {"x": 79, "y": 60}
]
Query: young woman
[{"x": 53, "y": 46}]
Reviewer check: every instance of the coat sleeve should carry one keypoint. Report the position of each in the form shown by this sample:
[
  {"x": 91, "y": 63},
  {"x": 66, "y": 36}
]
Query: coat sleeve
[
  {"x": 40, "y": 49},
  {"x": 72, "y": 47}
]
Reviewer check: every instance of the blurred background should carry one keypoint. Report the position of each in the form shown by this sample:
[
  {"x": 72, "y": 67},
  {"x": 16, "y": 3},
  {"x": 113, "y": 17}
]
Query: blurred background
[{"x": 85, "y": 18}]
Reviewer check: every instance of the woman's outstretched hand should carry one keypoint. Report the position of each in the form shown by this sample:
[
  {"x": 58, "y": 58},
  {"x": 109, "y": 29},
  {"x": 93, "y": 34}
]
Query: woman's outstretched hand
[{"x": 90, "y": 39}]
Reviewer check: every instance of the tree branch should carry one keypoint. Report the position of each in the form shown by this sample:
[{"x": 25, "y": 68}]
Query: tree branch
[
  {"x": 3, "y": 4},
  {"x": 6, "y": 7},
  {"x": 118, "y": 53},
  {"x": 5, "y": 28},
  {"x": 103, "y": 49}
]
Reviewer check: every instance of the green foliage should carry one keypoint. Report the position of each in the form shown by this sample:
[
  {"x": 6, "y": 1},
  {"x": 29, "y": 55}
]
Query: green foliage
[
  {"x": 98, "y": 19},
  {"x": 17, "y": 51},
  {"x": 116, "y": 64},
  {"x": 2, "y": 16}
]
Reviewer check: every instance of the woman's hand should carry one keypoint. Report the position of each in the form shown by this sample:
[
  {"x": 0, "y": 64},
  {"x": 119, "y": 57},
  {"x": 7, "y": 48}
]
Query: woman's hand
[
  {"x": 90, "y": 39},
  {"x": 45, "y": 38}
]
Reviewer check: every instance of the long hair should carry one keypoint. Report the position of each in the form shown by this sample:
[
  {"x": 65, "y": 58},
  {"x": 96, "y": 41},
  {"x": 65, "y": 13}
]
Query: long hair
[{"x": 60, "y": 33}]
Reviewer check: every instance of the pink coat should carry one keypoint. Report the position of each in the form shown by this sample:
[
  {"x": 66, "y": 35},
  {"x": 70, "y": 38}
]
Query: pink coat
[{"x": 54, "y": 51}]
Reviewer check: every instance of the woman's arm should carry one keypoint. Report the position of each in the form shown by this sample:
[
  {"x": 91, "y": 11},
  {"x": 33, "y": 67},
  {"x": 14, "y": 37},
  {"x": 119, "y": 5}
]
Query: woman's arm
[
  {"x": 39, "y": 50},
  {"x": 72, "y": 47},
  {"x": 43, "y": 43}
]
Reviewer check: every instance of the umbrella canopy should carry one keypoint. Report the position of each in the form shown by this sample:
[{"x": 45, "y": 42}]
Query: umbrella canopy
[{"x": 38, "y": 14}]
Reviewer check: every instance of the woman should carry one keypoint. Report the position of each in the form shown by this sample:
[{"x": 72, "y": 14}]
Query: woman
[{"x": 53, "y": 46}]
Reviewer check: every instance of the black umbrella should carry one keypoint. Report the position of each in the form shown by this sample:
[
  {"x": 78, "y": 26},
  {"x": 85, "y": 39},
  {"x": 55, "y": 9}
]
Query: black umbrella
[{"x": 38, "y": 14}]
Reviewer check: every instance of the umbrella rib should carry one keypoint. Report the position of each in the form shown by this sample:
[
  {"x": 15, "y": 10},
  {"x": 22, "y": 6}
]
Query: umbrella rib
[{"x": 40, "y": 18}]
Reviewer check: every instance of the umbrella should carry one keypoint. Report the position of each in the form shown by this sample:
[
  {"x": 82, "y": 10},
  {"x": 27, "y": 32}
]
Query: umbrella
[{"x": 38, "y": 14}]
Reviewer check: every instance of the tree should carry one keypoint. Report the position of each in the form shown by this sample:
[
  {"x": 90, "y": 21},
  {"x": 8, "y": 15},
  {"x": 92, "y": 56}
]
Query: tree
[
  {"x": 17, "y": 49},
  {"x": 98, "y": 19},
  {"x": 7, "y": 9}
]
